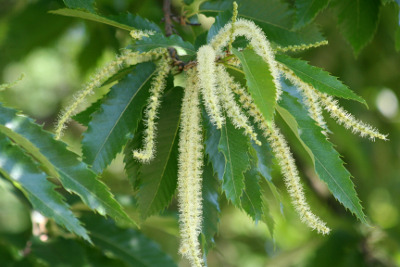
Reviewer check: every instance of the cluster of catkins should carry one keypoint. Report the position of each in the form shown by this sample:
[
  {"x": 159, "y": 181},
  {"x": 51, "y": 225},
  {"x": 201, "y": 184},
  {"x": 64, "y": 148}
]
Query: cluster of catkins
[{"x": 219, "y": 98}]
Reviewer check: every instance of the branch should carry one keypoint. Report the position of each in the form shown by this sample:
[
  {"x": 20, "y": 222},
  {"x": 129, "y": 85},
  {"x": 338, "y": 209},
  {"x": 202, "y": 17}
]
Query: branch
[{"x": 167, "y": 17}]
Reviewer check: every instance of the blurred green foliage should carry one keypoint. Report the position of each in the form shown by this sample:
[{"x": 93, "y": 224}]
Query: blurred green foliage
[{"x": 58, "y": 53}]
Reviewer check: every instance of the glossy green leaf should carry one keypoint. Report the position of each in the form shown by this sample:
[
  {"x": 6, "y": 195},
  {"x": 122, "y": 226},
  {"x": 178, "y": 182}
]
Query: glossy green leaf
[
  {"x": 358, "y": 20},
  {"x": 220, "y": 20},
  {"x": 318, "y": 78},
  {"x": 132, "y": 165},
  {"x": 235, "y": 146},
  {"x": 118, "y": 117},
  {"x": 306, "y": 10},
  {"x": 157, "y": 180},
  {"x": 59, "y": 252},
  {"x": 24, "y": 173},
  {"x": 81, "y": 4},
  {"x": 127, "y": 21},
  {"x": 61, "y": 163},
  {"x": 274, "y": 17},
  {"x": 211, "y": 209},
  {"x": 85, "y": 116},
  {"x": 159, "y": 40},
  {"x": 212, "y": 139},
  {"x": 327, "y": 162},
  {"x": 252, "y": 195},
  {"x": 129, "y": 245},
  {"x": 260, "y": 82}
]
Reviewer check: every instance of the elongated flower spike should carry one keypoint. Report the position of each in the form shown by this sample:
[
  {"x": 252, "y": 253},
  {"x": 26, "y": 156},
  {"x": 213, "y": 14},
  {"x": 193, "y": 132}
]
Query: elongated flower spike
[
  {"x": 146, "y": 154},
  {"x": 138, "y": 34},
  {"x": 234, "y": 112},
  {"x": 296, "y": 48},
  {"x": 190, "y": 172},
  {"x": 285, "y": 159},
  {"x": 234, "y": 18},
  {"x": 104, "y": 73},
  {"x": 9, "y": 85},
  {"x": 257, "y": 40},
  {"x": 207, "y": 78}
]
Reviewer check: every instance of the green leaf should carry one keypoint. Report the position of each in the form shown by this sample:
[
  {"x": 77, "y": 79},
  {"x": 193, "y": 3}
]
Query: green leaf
[
  {"x": 59, "y": 252},
  {"x": 306, "y": 10},
  {"x": 157, "y": 180},
  {"x": 220, "y": 20},
  {"x": 211, "y": 209},
  {"x": 327, "y": 162},
  {"x": 127, "y": 21},
  {"x": 252, "y": 195},
  {"x": 267, "y": 217},
  {"x": 81, "y": 4},
  {"x": 274, "y": 17},
  {"x": 235, "y": 146},
  {"x": 85, "y": 116},
  {"x": 95, "y": 258},
  {"x": 129, "y": 245},
  {"x": 188, "y": 2},
  {"x": 118, "y": 117},
  {"x": 24, "y": 173},
  {"x": 397, "y": 45},
  {"x": 159, "y": 40},
  {"x": 260, "y": 82},
  {"x": 358, "y": 20},
  {"x": 61, "y": 163},
  {"x": 211, "y": 142},
  {"x": 318, "y": 78},
  {"x": 132, "y": 165}
]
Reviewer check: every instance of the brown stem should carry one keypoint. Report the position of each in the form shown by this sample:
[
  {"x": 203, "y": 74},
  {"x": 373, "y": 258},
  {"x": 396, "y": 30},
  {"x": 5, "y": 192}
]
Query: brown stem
[{"x": 167, "y": 17}]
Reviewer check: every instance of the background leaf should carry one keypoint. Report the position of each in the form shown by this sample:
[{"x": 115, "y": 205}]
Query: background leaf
[
  {"x": 307, "y": 10},
  {"x": 81, "y": 4},
  {"x": 118, "y": 117},
  {"x": 252, "y": 195},
  {"x": 22, "y": 171}
]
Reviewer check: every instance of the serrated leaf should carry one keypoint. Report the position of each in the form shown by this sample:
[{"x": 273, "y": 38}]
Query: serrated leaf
[
  {"x": 358, "y": 20},
  {"x": 220, "y": 20},
  {"x": 157, "y": 180},
  {"x": 85, "y": 116},
  {"x": 211, "y": 142},
  {"x": 252, "y": 194},
  {"x": 159, "y": 40},
  {"x": 318, "y": 78},
  {"x": 129, "y": 245},
  {"x": 127, "y": 21},
  {"x": 81, "y": 4},
  {"x": 24, "y": 173},
  {"x": 267, "y": 218},
  {"x": 235, "y": 146},
  {"x": 260, "y": 82},
  {"x": 306, "y": 10},
  {"x": 59, "y": 252},
  {"x": 118, "y": 117},
  {"x": 61, "y": 163},
  {"x": 327, "y": 162},
  {"x": 211, "y": 209},
  {"x": 274, "y": 17}
]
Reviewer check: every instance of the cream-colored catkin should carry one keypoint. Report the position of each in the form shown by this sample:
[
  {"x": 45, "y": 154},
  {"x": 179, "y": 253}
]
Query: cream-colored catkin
[
  {"x": 309, "y": 97},
  {"x": 9, "y": 85},
  {"x": 147, "y": 153},
  {"x": 127, "y": 58},
  {"x": 348, "y": 120},
  {"x": 190, "y": 163},
  {"x": 282, "y": 153},
  {"x": 257, "y": 40},
  {"x": 208, "y": 83},
  {"x": 292, "y": 180},
  {"x": 301, "y": 47},
  {"x": 234, "y": 112},
  {"x": 139, "y": 34}
]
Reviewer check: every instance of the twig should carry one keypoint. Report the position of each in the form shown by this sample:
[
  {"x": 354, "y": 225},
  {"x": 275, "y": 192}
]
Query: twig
[{"x": 167, "y": 17}]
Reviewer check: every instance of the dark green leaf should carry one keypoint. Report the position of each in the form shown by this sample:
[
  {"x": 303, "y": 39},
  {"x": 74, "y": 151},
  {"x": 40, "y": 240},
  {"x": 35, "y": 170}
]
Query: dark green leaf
[
  {"x": 21, "y": 170},
  {"x": 188, "y": 2},
  {"x": 220, "y": 20},
  {"x": 118, "y": 117},
  {"x": 267, "y": 217},
  {"x": 358, "y": 20},
  {"x": 85, "y": 116},
  {"x": 327, "y": 162},
  {"x": 60, "y": 162},
  {"x": 127, "y": 21},
  {"x": 274, "y": 17},
  {"x": 235, "y": 146},
  {"x": 212, "y": 139},
  {"x": 60, "y": 252},
  {"x": 132, "y": 165},
  {"x": 157, "y": 180},
  {"x": 129, "y": 245},
  {"x": 159, "y": 40},
  {"x": 397, "y": 45},
  {"x": 318, "y": 78},
  {"x": 211, "y": 209},
  {"x": 306, "y": 10},
  {"x": 260, "y": 82},
  {"x": 252, "y": 195},
  {"x": 201, "y": 40},
  {"x": 81, "y": 4},
  {"x": 95, "y": 258}
]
